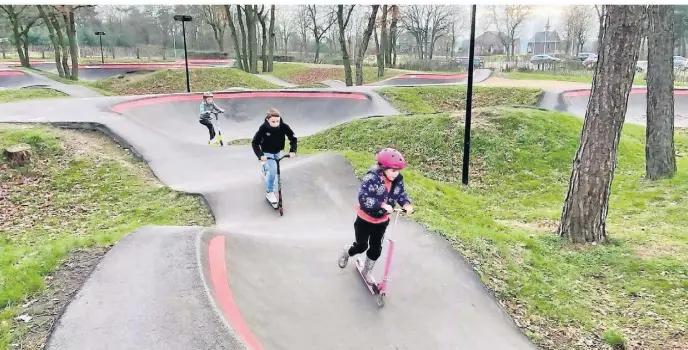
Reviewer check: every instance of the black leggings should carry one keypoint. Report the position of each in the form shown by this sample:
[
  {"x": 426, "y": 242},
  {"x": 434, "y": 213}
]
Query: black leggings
[
  {"x": 209, "y": 125},
  {"x": 366, "y": 233}
]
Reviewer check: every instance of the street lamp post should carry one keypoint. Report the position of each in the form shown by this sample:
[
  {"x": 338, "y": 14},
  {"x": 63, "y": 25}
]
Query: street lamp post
[
  {"x": 469, "y": 101},
  {"x": 100, "y": 37},
  {"x": 185, "y": 18}
]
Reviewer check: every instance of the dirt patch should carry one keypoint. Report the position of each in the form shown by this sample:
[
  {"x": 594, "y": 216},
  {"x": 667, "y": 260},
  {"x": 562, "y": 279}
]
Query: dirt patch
[
  {"x": 39, "y": 315},
  {"x": 133, "y": 76},
  {"x": 547, "y": 226},
  {"x": 316, "y": 75}
]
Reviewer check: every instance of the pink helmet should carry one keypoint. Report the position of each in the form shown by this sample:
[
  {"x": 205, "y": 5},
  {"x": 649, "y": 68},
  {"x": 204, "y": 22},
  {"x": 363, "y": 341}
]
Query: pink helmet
[{"x": 390, "y": 158}]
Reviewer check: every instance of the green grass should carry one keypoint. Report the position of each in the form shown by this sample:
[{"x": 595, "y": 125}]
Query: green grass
[
  {"x": 12, "y": 95},
  {"x": 433, "y": 99},
  {"x": 302, "y": 74},
  {"x": 59, "y": 79},
  {"x": 504, "y": 223},
  {"x": 174, "y": 80},
  {"x": 72, "y": 199}
]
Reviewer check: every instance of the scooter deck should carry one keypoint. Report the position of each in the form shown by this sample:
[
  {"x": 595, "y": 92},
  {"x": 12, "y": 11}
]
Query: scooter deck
[{"x": 371, "y": 287}]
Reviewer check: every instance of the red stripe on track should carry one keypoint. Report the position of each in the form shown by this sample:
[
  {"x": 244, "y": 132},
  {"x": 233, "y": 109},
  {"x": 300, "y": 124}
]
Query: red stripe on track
[
  {"x": 7, "y": 73},
  {"x": 218, "y": 273}
]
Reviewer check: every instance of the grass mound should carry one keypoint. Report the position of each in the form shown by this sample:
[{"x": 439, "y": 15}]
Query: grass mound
[
  {"x": 12, "y": 95},
  {"x": 303, "y": 74},
  {"x": 174, "y": 80},
  {"x": 434, "y": 99},
  {"x": 504, "y": 223},
  {"x": 80, "y": 194}
]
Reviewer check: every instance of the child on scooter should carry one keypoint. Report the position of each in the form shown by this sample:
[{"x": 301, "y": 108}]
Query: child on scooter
[
  {"x": 269, "y": 142},
  {"x": 381, "y": 188},
  {"x": 207, "y": 107}
]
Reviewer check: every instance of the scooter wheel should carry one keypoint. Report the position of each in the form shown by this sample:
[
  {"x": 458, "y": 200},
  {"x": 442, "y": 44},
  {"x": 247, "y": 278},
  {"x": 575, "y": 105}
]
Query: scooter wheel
[
  {"x": 281, "y": 211},
  {"x": 380, "y": 298}
]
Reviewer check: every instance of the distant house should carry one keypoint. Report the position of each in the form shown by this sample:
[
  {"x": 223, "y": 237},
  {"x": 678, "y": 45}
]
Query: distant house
[
  {"x": 489, "y": 43},
  {"x": 546, "y": 42}
]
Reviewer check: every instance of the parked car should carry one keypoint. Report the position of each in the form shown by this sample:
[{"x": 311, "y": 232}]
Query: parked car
[
  {"x": 679, "y": 62},
  {"x": 463, "y": 62},
  {"x": 590, "y": 62},
  {"x": 543, "y": 59},
  {"x": 584, "y": 55}
]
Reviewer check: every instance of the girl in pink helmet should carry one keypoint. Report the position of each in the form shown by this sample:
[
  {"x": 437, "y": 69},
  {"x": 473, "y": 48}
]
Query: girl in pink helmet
[{"x": 381, "y": 188}]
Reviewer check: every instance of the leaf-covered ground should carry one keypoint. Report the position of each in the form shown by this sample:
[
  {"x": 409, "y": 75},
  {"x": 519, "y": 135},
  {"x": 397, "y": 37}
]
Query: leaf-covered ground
[
  {"x": 564, "y": 296},
  {"x": 306, "y": 74},
  {"x": 174, "y": 80},
  {"x": 60, "y": 213}
]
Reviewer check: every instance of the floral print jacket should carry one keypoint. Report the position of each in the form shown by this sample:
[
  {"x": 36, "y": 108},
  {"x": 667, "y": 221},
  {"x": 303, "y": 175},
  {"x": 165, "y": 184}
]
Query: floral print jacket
[{"x": 373, "y": 193}]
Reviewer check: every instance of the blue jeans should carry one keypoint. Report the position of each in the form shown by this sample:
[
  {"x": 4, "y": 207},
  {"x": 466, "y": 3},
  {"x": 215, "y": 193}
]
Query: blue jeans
[{"x": 270, "y": 169}]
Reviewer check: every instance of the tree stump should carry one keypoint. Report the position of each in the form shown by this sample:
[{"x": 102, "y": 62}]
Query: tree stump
[{"x": 18, "y": 154}]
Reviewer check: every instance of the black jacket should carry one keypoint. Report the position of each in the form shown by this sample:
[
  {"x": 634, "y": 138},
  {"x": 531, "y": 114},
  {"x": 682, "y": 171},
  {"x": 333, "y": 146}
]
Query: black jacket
[{"x": 271, "y": 140}]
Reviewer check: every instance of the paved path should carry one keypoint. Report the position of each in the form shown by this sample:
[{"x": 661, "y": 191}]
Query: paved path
[{"x": 258, "y": 280}]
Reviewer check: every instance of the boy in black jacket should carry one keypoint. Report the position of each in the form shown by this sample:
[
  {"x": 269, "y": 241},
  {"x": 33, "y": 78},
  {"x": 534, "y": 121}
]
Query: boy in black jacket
[{"x": 269, "y": 141}]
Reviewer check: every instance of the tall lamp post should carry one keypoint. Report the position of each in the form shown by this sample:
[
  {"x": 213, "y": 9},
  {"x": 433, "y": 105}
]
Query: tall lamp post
[
  {"x": 100, "y": 37},
  {"x": 185, "y": 18},
  {"x": 469, "y": 100}
]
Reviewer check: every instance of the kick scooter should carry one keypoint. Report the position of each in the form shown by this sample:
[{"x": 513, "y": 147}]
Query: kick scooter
[
  {"x": 379, "y": 290},
  {"x": 217, "y": 126},
  {"x": 278, "y": 206}
]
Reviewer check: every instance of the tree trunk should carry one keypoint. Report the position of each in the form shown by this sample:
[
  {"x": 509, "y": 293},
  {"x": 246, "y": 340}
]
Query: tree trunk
[
  {"x": 392, "y": 40},
  {"x": 251, "y": 14},
  {"x": 587, "y": 200},
  {"x": 70, "y": 28},
  {"x": 233, "y": 34},
  {"x": 263, "y": 42},
  {"x": 53, "y": 40},
  {"x": 63, "y": 44},
  {"x": 378, "y": 53},
  {"x": 364, "y": 45},
  {"x": 23, "y": 59},
  {"x": 383, "y": 43},
  {"x": 660, "y": 154},
  {"x": 271, "y": 46},
  {"x": 244, "y": 40},
  {"x": 342, "y": 43}
]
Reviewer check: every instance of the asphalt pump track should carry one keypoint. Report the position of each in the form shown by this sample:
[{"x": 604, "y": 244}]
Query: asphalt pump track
[{"x": 257, "y": 280}]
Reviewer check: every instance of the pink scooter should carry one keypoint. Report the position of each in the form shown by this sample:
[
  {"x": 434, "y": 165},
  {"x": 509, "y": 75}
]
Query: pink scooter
[{"x": 380, "y": 289}]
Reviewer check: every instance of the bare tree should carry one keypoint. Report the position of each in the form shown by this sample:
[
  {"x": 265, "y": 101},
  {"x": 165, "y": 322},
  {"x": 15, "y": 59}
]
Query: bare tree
[
  {"x": 57, "y": 47},
  {"x": 235, "y": 39},
  {"x": 364, "y": 45},
  {"x": 660, "y": 153},
  {"x": 457, "y": 25},
  {"x": 320, "y": 20},
  {"x": 271, "y": 44},
  {"x": 284, "y": 28},
  {"x": 578, "y": 21},
  {"x": 508, "y": 20},
  {"x": 262, "y": 17},
  {"x": 22, "y": 18},
  {"x": 382, "y": 47},
  {"x": 302, "y": 20},
  {"x": 584, "y": 215},
  {"x": 343, "y": 22},
  {"x": 244, "y": 38},
  {"x": 217, "y": 20},
  {"x": 426, "y": 23},
  {"x": 391, "y": 58}
]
